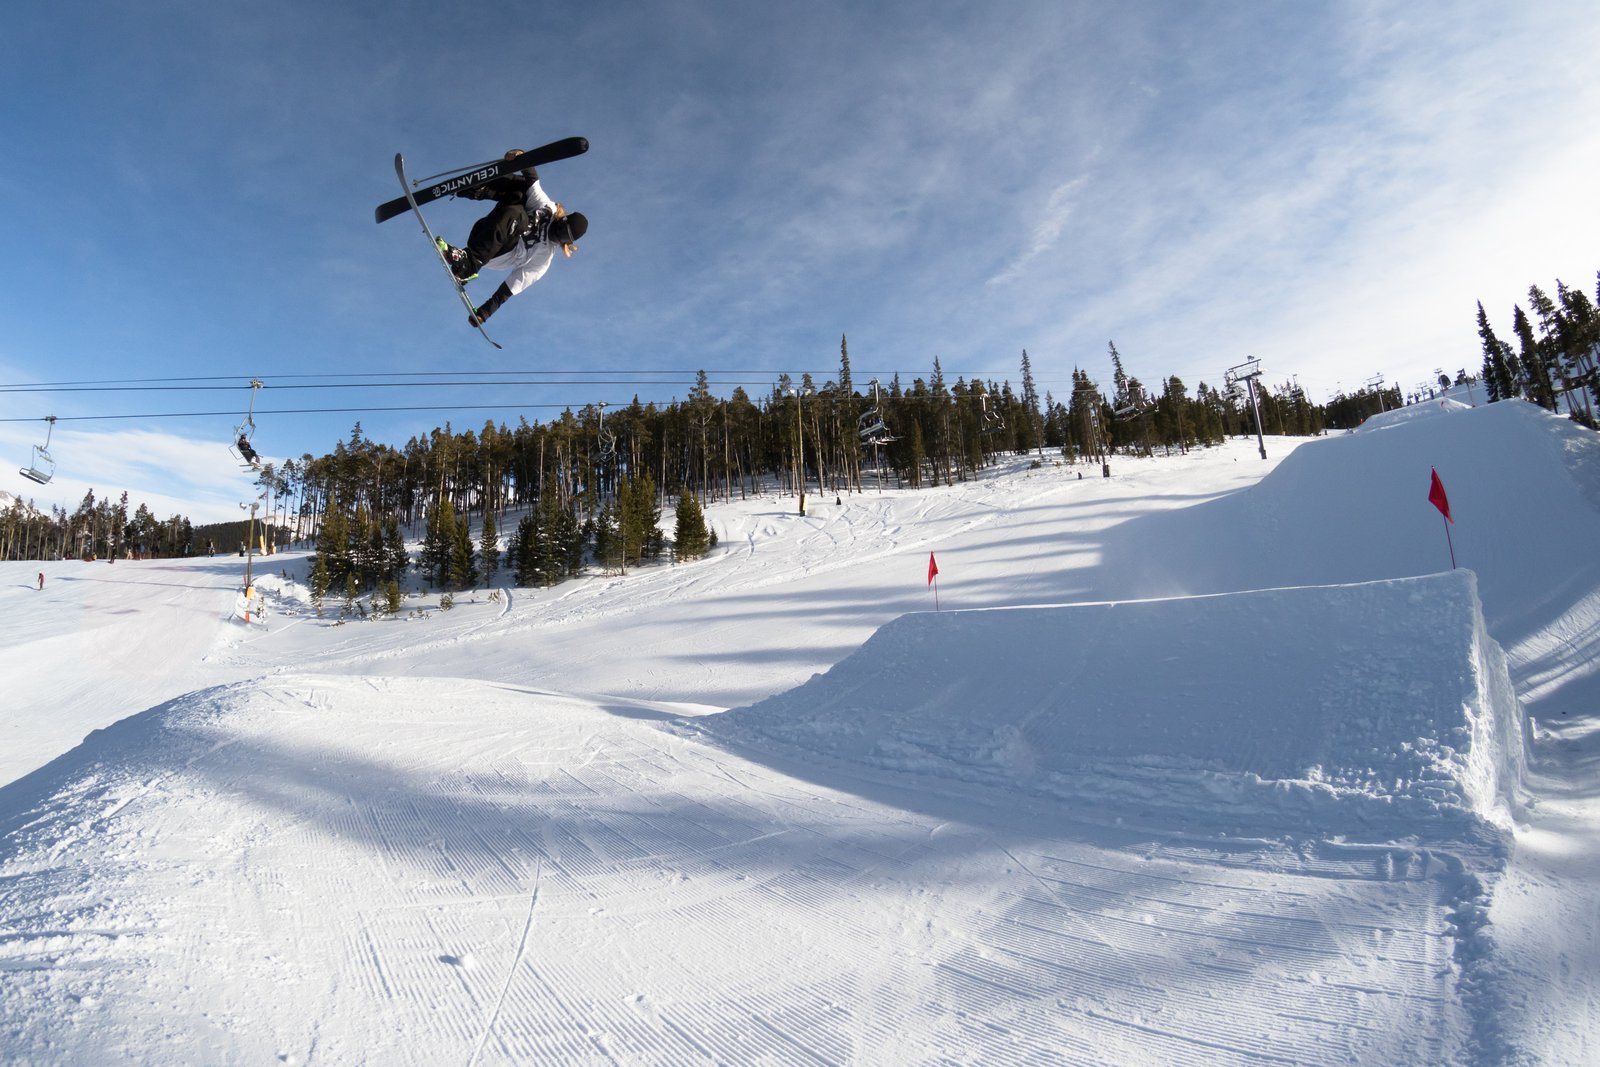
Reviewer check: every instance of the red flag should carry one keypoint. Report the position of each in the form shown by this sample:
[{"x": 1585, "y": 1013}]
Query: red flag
[
  {"x": 933, "y": 568},
  {"x": 1437, "y": 498}
]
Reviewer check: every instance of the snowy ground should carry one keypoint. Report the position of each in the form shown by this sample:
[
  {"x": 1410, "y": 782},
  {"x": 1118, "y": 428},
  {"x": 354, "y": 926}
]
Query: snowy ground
[{"x": 1241, "y": 773}]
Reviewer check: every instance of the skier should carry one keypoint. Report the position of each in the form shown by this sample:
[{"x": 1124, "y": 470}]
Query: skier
[
  {"x": 246, "y": 451},
  {"x": 520, "y": 235},
  {"x": 41, "y": 581}
]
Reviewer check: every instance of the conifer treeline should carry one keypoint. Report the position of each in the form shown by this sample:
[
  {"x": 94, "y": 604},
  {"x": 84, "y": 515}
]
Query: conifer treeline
[
  {"x": 97, "y": 529},
  {"x": 593, "y": 483},
  {"x": 1555, "y": 363}
]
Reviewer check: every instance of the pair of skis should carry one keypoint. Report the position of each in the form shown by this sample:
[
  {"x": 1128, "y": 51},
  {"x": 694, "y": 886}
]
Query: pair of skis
[{"x": 458, "y": 181}]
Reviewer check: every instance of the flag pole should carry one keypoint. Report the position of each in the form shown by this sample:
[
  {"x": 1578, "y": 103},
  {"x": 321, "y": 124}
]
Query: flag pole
[{"x": 1438, "y": 498}]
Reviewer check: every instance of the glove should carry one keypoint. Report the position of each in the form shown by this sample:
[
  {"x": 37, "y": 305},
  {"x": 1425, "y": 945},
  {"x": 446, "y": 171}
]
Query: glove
[{"x": 481, "y": 314}]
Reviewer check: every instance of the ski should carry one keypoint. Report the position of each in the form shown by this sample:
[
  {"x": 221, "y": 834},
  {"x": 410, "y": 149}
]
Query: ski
[
  {"x": 433, "y": 243},
  {"x": 565, "y": 148}
]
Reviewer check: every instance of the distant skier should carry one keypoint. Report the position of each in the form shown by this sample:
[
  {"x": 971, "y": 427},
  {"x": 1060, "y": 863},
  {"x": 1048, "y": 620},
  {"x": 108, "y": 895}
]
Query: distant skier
[
  {"x": 246, "y": 451},
  {"x": 41, "y": 581},
  {"x": 520, "y": 235}
]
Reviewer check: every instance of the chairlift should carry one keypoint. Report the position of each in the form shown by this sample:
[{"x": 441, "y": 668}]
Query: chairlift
[
  {"x": 1131, "y": 403},
  {"x": 243, "y": 446},
  {"x": 607, "y": 439},
  {"x": 870, "y": 426},
  {"x": 991, "y": 422},
  {"x": 41, "y": 468}
]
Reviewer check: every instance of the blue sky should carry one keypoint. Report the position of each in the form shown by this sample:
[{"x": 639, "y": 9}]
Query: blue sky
[{"x": 1328, "y": 187}]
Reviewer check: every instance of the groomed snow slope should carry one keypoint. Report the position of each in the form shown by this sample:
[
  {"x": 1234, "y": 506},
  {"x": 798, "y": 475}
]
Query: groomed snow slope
[
  {"x": 316, "y": 870},
  {"x": 96, "y": 644}
]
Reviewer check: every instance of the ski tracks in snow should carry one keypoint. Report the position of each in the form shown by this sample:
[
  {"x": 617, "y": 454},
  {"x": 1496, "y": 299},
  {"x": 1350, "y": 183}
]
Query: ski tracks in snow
[
  {"x": 474, "y": 874},
  {"x": 511, "y": 972}
]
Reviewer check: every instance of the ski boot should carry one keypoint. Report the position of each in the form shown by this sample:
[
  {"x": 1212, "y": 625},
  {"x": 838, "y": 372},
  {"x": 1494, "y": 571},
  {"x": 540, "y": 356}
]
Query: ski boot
[{"x": 457, "y": 258}]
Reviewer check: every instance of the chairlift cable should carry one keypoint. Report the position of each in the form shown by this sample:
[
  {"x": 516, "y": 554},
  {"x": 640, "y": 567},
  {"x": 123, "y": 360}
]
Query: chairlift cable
[
  {"x": 291, "y": 411},
  {"x": 624, "y": 376},
  {"x": 355, "y": 385}
]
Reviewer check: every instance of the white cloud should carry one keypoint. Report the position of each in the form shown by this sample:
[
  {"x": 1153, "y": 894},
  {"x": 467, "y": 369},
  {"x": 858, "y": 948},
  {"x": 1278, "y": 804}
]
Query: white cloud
[
  {"x": 1046, "y": 231},
  {"x": 1346, "y": 230}
]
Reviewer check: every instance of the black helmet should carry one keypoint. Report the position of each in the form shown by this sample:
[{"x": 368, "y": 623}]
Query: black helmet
[{"x": 567, "y": 229}]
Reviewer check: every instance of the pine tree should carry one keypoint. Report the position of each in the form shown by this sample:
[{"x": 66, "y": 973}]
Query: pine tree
[
  {"x": 639, "y": 517},
  {"x": 463, "y": 562},
  {"x": 558, "y": 541},
  {"x": 1582, "y": 340},
  {"x": 333, "y": 544},
  {"x": 848, "y": 422},
  {"x": 1496, "y": 370},
  {"x": 916, "y": 454},
  {"x": 1034, "y": 429},
  {"x": 1490, "y": 379},
  {"x": 1553, "y": 340},
  {"x": 361, "y": 540},
  {"x": 701, "y": 411},
  {"x": 1536, "y": 369},
  {"x": 319, "y": 580},
  {"x": 567, "y": 539},
  {"x": 489, "y": 551},
  {"x": 690, "y": 536},
  {"x": 1120, "y": 397},
  {"x": 395, "y": 559},
  {"x": 1170, "y": 412},
  {"x": 438, "y": 543},
  {"x": 520, "y": 552},
  {"x": 609, "y": 551}
]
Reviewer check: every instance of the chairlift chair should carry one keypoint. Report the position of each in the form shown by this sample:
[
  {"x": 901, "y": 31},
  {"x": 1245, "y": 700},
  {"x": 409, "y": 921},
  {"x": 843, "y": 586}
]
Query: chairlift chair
[
  {"x": 1130, "y": 408},
  {"x": 41, "y": 468},
  {"x": 242, "y": 448},
  {"x": 872, "y": 429},
  {"x": 1132, "y": 402},
  {"x": 870, "y": 426},
  {"x": 606, "y": 439},
  {"x": 992, "y": 422}
]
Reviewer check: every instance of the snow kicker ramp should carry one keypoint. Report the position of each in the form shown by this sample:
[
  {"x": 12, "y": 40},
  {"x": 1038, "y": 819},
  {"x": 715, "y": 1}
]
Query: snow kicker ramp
[
  {"x": 1362, "y": 710},
  {"x": 1524, "y": 489}
]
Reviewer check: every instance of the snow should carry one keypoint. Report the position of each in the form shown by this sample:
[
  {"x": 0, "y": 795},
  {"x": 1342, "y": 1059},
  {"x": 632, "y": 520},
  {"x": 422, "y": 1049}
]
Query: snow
[
  {"x": 1215, "y": 761},
  {"x": 1292, "y": 737}
]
